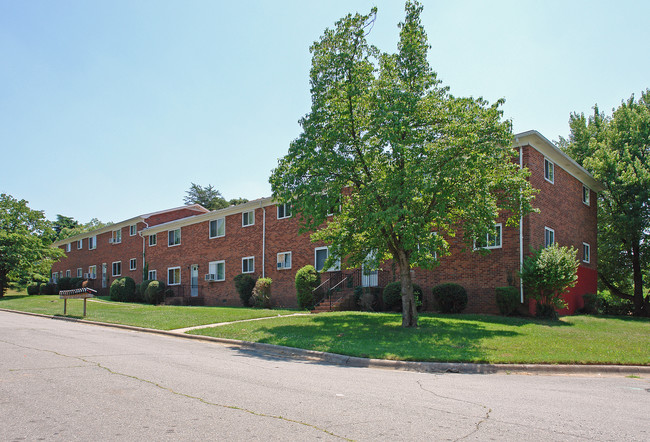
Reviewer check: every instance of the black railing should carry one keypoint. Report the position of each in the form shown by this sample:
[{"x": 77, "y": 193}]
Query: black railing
[
  {"x": 338, "y": 284},
  {"x": 185, "y": 292}
]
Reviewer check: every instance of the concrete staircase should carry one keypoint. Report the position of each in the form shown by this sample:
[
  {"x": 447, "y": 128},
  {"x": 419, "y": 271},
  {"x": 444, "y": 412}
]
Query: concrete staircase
[{"x": 339, "y": 301}]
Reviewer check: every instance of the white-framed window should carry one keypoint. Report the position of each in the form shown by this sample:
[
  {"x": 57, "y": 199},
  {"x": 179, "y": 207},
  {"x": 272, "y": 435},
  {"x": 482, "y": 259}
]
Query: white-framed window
[
  {"x": 173, "y": 237},
  {"x": 117, "y": 268},
  {"x": 320, "y": 256},
  {"x": 284, "y": 260},
  {"x": 92, "y": 272},
  {"x": 68, "y": 247},
  {"x": 586, "y": 253},
  {"x": 152, "y": 275},
  {"x": 492, "y": 240},
  {"x": 133, "y": 229},
  {"x": 117, "y": 236},
  {"x": 218, "y": 269},
  {"x": 284, "y": 211},
  {"x": 67, "y": 273},
  {"x": 549, "y": 170},
  {"x": 248, "y": 218},
  {"x": 92, "y": 242},
  {"x": 248, "y": 264},
  {"x": 585, "y": 195},
  {"x": 133, "y": 264},
  {"x": 218, "y": 228},
  {"x": 80, "y": 272},
  {"x": 549, "y": 236},
  {"x": 153, "y": 240},
  {"x": 80, "y": 244},
  {"x": 173, "y": 276}
]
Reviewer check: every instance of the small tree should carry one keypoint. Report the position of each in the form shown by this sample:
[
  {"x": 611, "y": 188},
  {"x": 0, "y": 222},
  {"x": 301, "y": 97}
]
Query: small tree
[
  {"x": 307, "y": 279},
  {"x": 262, "y": 293},
  {"x": 244, "y": 284},
  {"x": 547, "y": 273}
]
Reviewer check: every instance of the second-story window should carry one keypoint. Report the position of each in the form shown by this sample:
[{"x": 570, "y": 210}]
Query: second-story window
[
  {"x": 549, "y": 171},
  {"x": 174, "y": 237},
  {"x": 284, "y": 211},
  {"x": 117, "y": 236},
  {"x": 248, "y": 218}
]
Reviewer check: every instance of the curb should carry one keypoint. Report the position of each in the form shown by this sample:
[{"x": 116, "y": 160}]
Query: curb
[{"x": 356, "y": 362}]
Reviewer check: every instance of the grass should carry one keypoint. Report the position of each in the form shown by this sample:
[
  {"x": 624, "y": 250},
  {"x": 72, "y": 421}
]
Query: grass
[
  {"x": 165, "y": 317},
  {"x": 456, "y": 338}
]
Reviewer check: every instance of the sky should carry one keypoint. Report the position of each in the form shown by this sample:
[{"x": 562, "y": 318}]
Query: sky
[{"x": 111, "y": 109}]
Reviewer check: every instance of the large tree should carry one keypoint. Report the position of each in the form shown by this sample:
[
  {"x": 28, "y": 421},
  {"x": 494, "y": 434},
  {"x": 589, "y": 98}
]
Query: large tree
[
  {"x": 91, "y": 225},
  {"x": 209, "y": 197},
  {"x": 408, "y": 164},
  {"x": 616, "y": 150},
  {"x": 25, "y": 237}
]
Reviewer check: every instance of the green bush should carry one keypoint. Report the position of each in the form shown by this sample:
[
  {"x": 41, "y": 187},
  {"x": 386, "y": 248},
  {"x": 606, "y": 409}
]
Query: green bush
[
  {"x": 49, "y": 288},
  {"x": 545, "y": 311},
  {"x": 244, "y": 284},
  {"x": 123, "y": 289},
  {"x": 262, "y": 293},
  {"x": 142, "y": 287},
  {"x": 65, "y": 283},
  {"x": 76, "y": 283},
  {"x": 615, "y": 305},
  {"x": 307, "y": 279},
  {"x": 392, "y": 296},
  {"x": 593, "y": 304},
  {"x": 367, "y": 298},
  {"x": 154, "y": 293},
  {"x": 508, "y": 300},
  {"x": 33, "y": 288},
  {"x": 450, "y": 297}
]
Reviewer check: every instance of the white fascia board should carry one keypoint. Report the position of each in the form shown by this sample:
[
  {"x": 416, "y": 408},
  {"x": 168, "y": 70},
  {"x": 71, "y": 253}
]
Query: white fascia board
[{"x": 95, "y": 232}]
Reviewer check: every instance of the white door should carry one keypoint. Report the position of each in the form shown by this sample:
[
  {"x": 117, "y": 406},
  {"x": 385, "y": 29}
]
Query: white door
[
  {"x": 104, "y": 276},
  {"x": 194, "y": 280}
]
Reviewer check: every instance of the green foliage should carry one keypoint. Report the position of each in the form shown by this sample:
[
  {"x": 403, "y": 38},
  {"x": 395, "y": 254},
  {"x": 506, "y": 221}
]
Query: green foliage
[
  {"x": 25, "y": 237},
  {"x": 367, "y": 298},
  {"x": 123, "y": 289},
  {"x": 262, "y": 293},
  {"x": 508, "y": 300},
  {"x": 65, "y": 283},
  {"x": 615, "y": 305},
  {"x": 142, "y": 287},
  {"x": 33, "y": 288},
  {"x": 392, "y": 296},
  {"x": 450, "y": 297},
  {"x": 615, "y": 150},
  {"x": 402, "y": 157},
  {"x": 209, "y": 197},
  {"x": 154, "y": 292},
  {"x": 593, "y": 304},
  {"x": 49, "y": 288},
  {"x": 244, "y": 284},
  {"x": 307, "y": 279},
  {"x": 78, "y": 229},
  {"x": 548, "y": 272},
  {"x": 545, "y": 311}
]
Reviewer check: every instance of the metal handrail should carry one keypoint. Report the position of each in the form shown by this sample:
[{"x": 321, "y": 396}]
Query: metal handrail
[
  {"x": 329, "y": 292},
  {"x": 322, "y": 284}
]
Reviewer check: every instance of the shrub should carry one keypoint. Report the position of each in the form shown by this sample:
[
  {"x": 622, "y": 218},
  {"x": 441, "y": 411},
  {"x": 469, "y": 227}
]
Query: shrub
[
  {"x": 262, "y": 293},
  {"x": 244, "y": 284},
  {"x": 392, "y": 296},
  {"x": 65, "y": 283},
  {"x": 33, "y": 288},
  {"x": 154, "y": 293},
  {"x": 123, "y": 289},
  {"x": 615, "y": 305},
  {"x": 593, "y": 304},
  {"x": 508, "y": 300},
  {"x": 548, "y": 272},
  {"x": 76, "y": 283},
  {"x": 367, "y": 298},
  {"x": 143, "y": 287},
  {"x": 450, "y": 297},
  {"x": 307, "y": 279},
  {"x": 545, "y": 311},
  {"x": 49, "y": 288}
]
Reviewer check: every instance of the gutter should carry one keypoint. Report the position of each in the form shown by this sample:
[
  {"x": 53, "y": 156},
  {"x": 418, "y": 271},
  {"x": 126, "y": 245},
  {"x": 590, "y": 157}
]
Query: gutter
[
  {"x": 263, "y": 237},
  {"x": 521, "y": 229}
]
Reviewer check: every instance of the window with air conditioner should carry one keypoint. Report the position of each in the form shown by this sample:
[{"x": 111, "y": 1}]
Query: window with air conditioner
[
  {"x": 284, "y": 260},
  {"x": 217, "y": 271}
]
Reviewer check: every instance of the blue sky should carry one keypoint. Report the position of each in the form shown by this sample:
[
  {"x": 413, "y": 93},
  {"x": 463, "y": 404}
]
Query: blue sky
[{"x": 110, "y": 109}]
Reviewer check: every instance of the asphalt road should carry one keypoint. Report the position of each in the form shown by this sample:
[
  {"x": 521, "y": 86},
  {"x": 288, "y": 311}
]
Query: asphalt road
[{"x": 69, "y": 381}]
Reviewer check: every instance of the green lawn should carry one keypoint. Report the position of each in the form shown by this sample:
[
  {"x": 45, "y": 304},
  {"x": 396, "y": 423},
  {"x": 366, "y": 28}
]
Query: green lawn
[
  {"x": 456, "y": 338},
  {"x": 165, "y": 317}
]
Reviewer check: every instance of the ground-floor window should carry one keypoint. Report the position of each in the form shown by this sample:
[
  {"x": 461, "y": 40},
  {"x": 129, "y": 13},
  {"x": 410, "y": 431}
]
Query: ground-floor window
[
  {"x": 152, "y": 275},
  {"x": 117, "y": 268},
  {"x": 217, "y": 270},
  {"x": 248, "y": 264},
  {"x": 133, "y": 264},
  {"x": 173, "y": 276},
  {"x": 80, "y": 272}
]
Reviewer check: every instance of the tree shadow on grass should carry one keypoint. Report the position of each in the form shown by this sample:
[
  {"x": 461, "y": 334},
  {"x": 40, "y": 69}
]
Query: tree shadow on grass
[{"x": 515, "y": 321}]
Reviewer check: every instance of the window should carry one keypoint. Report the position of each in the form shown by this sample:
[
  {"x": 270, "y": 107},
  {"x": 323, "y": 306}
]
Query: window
[
  {"x": 321, "y": 255},
  {"x": 585, "y": 195},
  {"x": 248, "y": 218},
  {"x": 217, "y": 228},
  {"x": 284, "y": 260},
  {"x": 173, "y": 276},
  {"x": 585, "y": 252},
  {"x": 153, "y": 240},
  {"x": 117, "y": 236},
  {"x": 248, "y": 264},
  {"x": 492, "y": 240},
  {"x": 133, "y": 230},
  {"x": 92, "y": 272},
  {"x": 549, "y": 171},
  {"x": 80, "y": 272},
  {"x": 174, "y": 237},
  {"x": 133, "y": 263},
  {"x": 152, "y": 275},
  {"x": 92, "y": 243},
  {"x": 80, "y": 244},
  {"x": 549, "y": 236},
  {"x": 284, "y": 211},
  {"x": 218, "y": 270},
  {"x": 117, "y": 268},
  {"x": 67, "y": 273},
  {"x": 68, "y": 247}
]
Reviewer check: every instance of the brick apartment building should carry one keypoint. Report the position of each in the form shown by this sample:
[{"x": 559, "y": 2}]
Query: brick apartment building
[{"x": 197, "y": 252}]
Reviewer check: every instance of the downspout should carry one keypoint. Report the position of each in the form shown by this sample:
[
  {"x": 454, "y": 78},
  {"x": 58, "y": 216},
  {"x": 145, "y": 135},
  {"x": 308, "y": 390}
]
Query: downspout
[
  {"x": 144, "y": 241},
  {"x": 263, "y": 237},
  {"x": 521, "y": 231}
]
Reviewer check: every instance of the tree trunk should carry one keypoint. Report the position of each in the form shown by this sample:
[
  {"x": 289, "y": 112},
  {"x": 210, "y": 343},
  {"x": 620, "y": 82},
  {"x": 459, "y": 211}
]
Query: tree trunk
[
  {"x": 637, "y": 276},
  {"x": 409, "y": 308}
]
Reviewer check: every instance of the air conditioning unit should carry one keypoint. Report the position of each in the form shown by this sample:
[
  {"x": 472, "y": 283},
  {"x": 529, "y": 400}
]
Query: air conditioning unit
[{"x": 210, "y": 277}]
